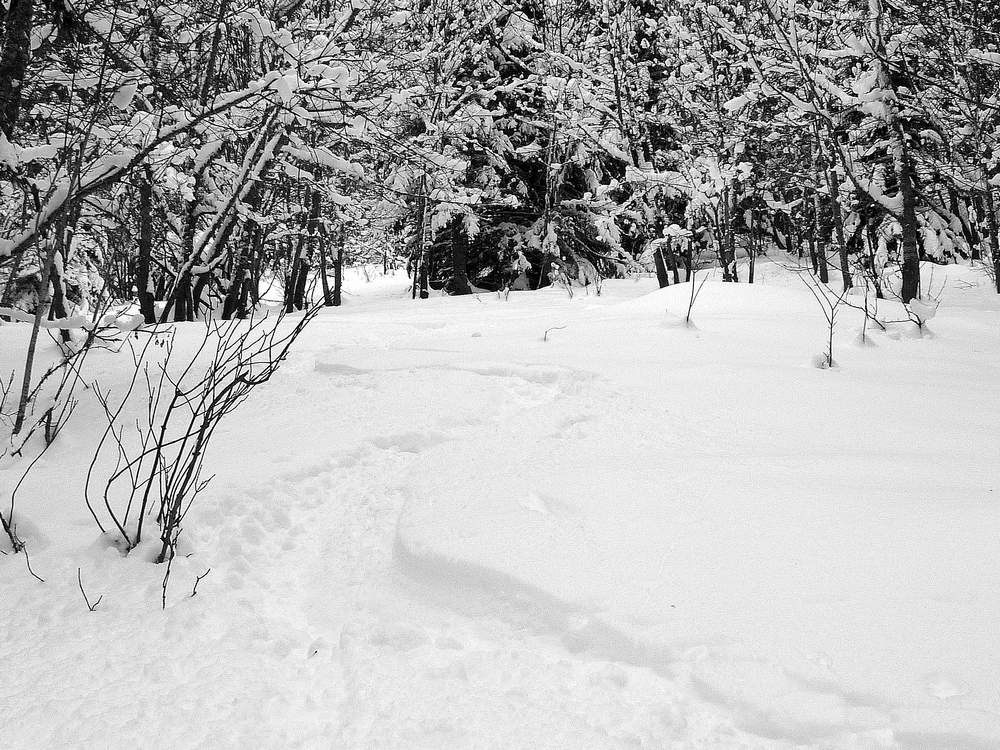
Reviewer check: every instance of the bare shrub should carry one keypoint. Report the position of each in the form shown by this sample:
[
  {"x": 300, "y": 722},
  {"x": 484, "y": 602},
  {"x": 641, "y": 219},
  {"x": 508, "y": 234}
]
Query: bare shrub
[{"x": 159, "y": 461}]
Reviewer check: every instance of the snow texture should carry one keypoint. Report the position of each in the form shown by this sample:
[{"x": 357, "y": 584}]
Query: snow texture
[{"x": 435, "y": 529}]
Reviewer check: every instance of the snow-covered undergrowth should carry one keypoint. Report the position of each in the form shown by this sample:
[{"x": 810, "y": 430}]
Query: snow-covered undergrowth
[{"x": 440, "y": 527}]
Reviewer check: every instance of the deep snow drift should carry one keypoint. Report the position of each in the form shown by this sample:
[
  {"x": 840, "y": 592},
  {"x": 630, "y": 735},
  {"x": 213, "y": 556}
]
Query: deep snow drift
[{"x": 435, "y": 529}]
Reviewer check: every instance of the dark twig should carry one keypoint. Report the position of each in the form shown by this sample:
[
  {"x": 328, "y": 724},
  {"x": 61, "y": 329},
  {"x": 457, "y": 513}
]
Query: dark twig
[
  {"x": 79, "y": 580},
  {"x": 545, "y": 337},
  {"x": 197, "y": 580},
  {"x": 27, "y": 563}
]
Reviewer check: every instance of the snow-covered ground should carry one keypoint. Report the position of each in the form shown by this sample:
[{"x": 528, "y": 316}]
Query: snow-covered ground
[{"x": 436, "y": 529}]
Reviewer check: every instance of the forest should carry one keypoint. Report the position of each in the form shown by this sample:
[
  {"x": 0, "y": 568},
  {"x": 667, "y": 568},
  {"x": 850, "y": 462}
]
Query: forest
[
  {"x": 191, "y": 158},
  {"x": 540, "y": 285}
]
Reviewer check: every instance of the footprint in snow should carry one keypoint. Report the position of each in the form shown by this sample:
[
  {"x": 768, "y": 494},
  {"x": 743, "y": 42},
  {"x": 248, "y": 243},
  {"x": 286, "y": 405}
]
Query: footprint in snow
[
  {"x": 408, "y": 442},
  {"x": 943, "y": 687},
  {"x": 535, "y": 504}
]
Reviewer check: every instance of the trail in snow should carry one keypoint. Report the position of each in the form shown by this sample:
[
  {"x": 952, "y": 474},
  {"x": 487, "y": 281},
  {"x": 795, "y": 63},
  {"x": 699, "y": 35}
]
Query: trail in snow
[{"x": 424, "y": 666}]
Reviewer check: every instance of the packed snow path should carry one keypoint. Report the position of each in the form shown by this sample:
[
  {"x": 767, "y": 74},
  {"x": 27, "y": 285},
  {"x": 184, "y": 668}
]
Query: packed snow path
[{"x": 436, "y": 530}]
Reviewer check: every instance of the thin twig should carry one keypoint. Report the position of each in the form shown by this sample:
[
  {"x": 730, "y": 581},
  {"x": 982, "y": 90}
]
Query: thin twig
[
  {"x": 197, "y": 580},
  {"x": 79, "y": 580},
  {"x": 545, "y": 337}
]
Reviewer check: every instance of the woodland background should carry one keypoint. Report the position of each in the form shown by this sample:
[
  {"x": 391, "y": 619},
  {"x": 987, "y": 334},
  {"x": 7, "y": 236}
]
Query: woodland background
[{"x": 194, "y": 157}]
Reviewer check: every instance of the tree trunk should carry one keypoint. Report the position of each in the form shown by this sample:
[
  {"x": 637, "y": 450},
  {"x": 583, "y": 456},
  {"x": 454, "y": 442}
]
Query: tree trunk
[
  {"x": 991, "y": 222},
  {"x": 182, "y": 299},
  {"x": 142, "y": 281},
  {"x": 727, "y": 259},
  {"x": 959, "y": 209},
  {"x": 423, "y": 278},
  {"x": 198, "y": 294},
  {"x": 908, "y": 220},
  {"x": 324, "y": 279},
  {"x": 661, "y": 267},
  {"x": 299, "y": 290},
  {"x": 295, "y": 283},
  {"x": 237, "y": 281},
  {"x": 317, "y": 236},
  {"x": 40, "y": 310},
  {"x": 818, "y": 234},
  {"x": 872, "y": 240},
  {"x": 57, "y": 309},
  {"x": 338, "y": 270},
  {"x": 424, "y": 238},
  {"x": 181, "y": 293},
  {"x": 982, "y": 232},
  {"x": 672, "y": 262},
  {"x": 295, "y": 290},
  {"x": 838, "y": 223},
  {"x": 459, "y": 281}
]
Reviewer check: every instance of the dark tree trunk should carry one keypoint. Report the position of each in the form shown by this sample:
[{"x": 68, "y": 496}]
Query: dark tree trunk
[
  {"x": 968, "y": 228},
  {"x": 423, "y": 279},
  {"x": 198, "y": 293},
  {"x": 838, "y": 223},
  {"x": 323, "y": 276},
  {"x": 182, "y": 299},
  {"x": 824, "y": 270},
  {"x": 142, "y": 280},
  {"x": 727, "y": 256},
  {"x": 295, "y": 289},
  {"x": 982, "y": 232},
  {"x": 991, "y": 222},
  {"x": 661, "y": 267},
  {"x": 299, "y": 298},
  {"x": 57, "y": 309},
  {"x": 872, "y": 250},
  {"x": 245, "y": 273},
  {"x": 295, "y": 283},
  {"x": 317, "y": 236},
  {"x": 672, "y": 262},
  {"x": 911, "y": 249},
  {"x": 419, "y": 256},
  {"x": 338, "y": 271},
  {"x": 820, "y": 233},
  {"x": 230, "y": 304},
  {"x": 818, "y": 243},
  {"x": 459, "y": 281}
]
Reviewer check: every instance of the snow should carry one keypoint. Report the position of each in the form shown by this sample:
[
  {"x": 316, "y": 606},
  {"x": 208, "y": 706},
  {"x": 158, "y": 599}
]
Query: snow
[{"x": 435, "y": 529}]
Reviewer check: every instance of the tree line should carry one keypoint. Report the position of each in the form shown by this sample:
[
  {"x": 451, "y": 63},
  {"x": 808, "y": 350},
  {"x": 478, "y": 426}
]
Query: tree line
[{"x": 192, "y": 157}]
